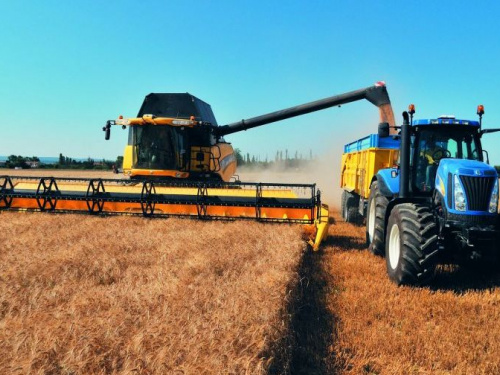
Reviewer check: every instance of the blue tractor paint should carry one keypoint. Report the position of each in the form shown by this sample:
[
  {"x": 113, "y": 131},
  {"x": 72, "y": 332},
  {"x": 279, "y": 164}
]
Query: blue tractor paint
[
  {"x": 371, "y": 141},
  {"x": 449, "y": 168},
  {"x": 390, "y": 182},
  {"x": 444, "y": 121}
]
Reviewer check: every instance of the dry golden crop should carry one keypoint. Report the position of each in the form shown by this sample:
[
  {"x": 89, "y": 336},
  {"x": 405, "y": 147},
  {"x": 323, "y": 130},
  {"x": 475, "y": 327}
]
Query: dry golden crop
[
  {"x": 110, "y": 295},
  {"x": 448, "y": 328},
  {"x": 83, "y": 294}
]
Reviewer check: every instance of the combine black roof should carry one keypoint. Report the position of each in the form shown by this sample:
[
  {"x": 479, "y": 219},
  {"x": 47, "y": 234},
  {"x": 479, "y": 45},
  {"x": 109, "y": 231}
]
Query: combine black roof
[{"x": 178, "y": 106}]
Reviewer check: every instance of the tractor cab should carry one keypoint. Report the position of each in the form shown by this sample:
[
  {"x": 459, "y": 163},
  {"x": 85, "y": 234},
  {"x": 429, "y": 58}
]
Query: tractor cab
[{"x": 434, "y": 140}]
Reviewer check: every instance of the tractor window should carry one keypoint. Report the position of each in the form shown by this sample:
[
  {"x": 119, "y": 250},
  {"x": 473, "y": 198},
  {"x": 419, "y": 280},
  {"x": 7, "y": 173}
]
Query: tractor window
[{"x": 432, "y": 144}]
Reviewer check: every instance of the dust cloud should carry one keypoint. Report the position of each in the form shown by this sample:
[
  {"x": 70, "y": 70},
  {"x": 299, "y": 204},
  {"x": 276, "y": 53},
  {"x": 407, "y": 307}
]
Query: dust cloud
[
  {"x": 325, "y": 169},
  {"x": 324, "y": 172}
]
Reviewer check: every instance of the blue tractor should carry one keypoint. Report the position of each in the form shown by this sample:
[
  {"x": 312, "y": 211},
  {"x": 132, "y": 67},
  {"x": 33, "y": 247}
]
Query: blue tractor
[{"x": 440, "y": 204}]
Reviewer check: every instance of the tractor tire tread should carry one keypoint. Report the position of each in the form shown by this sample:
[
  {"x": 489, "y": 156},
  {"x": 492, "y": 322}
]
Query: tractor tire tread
[
  {"x": 377, "y": 245},
  {"x": 419, "y": 250}
]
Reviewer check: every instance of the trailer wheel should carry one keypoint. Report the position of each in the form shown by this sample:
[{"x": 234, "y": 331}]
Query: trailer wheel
[
  {"x": 375, "y": 220},
  {"x": 411, "y": 245},
  {"x": 343, "y": 203},
  {"x": 350, "y": 209}
]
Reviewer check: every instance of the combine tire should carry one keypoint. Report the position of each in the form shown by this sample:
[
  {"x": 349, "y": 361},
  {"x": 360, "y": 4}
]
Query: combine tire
[
  {"x": 375, "y": 221},
  {"x": 350, "y": 208},
  {"x": 411, "y": 245}
]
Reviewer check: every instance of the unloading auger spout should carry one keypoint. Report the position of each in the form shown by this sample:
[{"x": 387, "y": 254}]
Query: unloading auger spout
[{"x": 376, "y": 94}]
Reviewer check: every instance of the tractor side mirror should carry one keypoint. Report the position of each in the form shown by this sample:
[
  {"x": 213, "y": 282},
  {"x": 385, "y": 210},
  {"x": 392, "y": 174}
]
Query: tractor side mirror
[
  {"x": 383, "y": 130},
  {"x": 485, "y": 131},
  {"x": 485, "y": 153},
  {"x": 107, "y": 130}
]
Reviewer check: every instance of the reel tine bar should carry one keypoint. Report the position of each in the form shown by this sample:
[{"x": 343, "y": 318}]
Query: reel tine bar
[
  {"x": 47, "y": 197},
  {"x": 94, "y": 200},
  {"x": 148, "y": 196},
  {"x": 201, "y": 200},
  {"x": 5, "y": 187},
  {"x": 258, "y": 197}
]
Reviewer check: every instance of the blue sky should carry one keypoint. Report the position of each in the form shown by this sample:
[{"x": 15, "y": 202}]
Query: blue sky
[{"x": 67, "y": 67}]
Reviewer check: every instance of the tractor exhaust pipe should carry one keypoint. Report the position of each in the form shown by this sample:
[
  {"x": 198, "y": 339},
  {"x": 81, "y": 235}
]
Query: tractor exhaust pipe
[{"x": 404, "y": 179}]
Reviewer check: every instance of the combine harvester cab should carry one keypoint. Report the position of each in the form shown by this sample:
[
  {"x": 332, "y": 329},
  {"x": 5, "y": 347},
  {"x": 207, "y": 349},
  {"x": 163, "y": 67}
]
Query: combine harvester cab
[
  {"x": 177, "y": 163},
  {"x": 426, "y": 193}
]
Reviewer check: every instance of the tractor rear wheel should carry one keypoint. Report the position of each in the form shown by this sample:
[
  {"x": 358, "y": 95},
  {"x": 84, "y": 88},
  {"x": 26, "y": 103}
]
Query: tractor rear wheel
[
  {"x": 375, "y": 220},
  {"x": 411, "y": 245}
]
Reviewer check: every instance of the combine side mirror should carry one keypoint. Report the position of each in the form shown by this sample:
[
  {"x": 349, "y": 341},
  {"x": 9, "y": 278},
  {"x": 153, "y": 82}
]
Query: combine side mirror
[
  {"x": 107, "y": 130},
  {"x": 383, "y": 130}
]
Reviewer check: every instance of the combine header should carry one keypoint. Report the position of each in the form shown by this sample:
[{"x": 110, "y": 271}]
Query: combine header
[{"x": 177, "y": 163}]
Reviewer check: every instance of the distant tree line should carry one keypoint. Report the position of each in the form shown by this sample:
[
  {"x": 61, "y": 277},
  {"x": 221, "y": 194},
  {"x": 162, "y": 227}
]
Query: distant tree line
[
  {"x": 17, "y": 161},
  {"x": 64, "y": 162},
  {"x": 283, "y": 159}
]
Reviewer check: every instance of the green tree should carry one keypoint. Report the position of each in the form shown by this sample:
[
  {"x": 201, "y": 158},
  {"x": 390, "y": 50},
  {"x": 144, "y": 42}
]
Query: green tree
[
  {"x": 119, "y": 161},
  {"x": 240, "y": 160},
  {"x": 16, "y": 161}
]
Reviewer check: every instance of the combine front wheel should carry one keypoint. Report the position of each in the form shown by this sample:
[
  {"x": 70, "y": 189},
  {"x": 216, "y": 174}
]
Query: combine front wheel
[{"x": 411, "y": 245}]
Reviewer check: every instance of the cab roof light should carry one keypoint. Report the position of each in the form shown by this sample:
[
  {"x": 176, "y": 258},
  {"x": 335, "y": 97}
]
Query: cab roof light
[
  {"x": 411, "y": 109},
  {"x": 480, "y": 109}
]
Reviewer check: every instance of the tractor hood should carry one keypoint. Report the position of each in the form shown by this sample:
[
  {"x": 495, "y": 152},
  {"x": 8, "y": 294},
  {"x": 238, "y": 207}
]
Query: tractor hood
[
  {"x": 466, "y": 168},
  {"x": 476, "y": 179}
]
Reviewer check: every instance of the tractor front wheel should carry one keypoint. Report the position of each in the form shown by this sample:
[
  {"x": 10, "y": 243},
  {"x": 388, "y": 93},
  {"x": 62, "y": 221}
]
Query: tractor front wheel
[{"x": 411, "y": 245}]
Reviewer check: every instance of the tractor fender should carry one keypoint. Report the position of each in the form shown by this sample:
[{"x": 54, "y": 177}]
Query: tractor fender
[{"x": 388, "y": 185}]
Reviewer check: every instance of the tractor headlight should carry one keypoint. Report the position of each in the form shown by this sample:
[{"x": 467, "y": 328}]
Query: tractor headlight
[
  {"x": 494, "y": 199},
  {"x": 460, "y": 199}
]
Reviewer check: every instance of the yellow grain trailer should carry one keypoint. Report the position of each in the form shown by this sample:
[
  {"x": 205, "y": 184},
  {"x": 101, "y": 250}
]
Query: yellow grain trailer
[{"x": 361, "y": 161}]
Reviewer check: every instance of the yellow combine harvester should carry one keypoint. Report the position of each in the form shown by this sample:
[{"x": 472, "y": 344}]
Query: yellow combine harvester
[{"x": 177, "y": 163}]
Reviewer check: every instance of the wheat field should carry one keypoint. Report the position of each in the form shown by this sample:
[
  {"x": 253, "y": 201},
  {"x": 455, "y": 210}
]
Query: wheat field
[
  {"x": 82, "y": 294},
  {"x": 450, "y": 327}
]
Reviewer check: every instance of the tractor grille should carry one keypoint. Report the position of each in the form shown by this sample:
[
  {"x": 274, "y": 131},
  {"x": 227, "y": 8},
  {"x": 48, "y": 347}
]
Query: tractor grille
[{"x": 478, "y": 191}]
